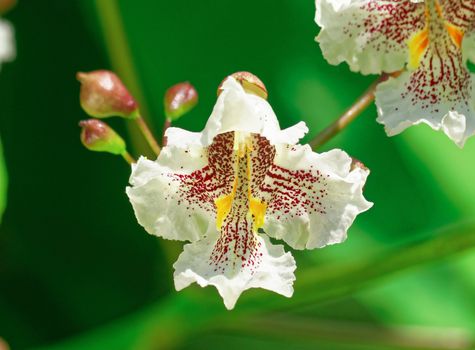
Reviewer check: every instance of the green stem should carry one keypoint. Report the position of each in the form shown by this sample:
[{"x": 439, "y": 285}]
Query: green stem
[
  {"x": 128, "y": 158},
  {"x": 119, "y": 52},
  {"x": 116, "y": 42},
  {"x": 148, "y": 134}
]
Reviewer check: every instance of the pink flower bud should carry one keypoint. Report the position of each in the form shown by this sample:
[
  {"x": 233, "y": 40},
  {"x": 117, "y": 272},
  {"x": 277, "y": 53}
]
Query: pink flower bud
[
  {"x": 104, "y": 95},
  {"x": 250, "y": 83},
  {"x": 179, "y": 100},
  {"x": 98, "y": 136}
]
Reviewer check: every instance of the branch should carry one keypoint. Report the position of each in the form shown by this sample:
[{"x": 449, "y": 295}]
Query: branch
[{"x": 350, "y": 114}]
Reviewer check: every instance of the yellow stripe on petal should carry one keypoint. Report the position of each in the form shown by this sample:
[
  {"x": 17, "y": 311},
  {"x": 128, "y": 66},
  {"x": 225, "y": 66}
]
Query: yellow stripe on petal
[
  {"x": 418, "y": 45},
  {"x": 455, "y": 33},
  {"x": 223, "y": 206},
  {"x": 254, "y": 206},
  {"x": 258, "y": 210}
]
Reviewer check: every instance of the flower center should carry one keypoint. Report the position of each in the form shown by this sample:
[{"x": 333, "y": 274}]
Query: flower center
[
  {"x": 240, "y": 199},
  {"x": 437, "y": 32}
]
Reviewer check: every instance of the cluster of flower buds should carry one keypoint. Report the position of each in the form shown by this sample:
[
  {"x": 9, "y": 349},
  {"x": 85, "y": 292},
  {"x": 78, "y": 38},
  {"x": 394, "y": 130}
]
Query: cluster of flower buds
[{"x": 103, "y": 95}]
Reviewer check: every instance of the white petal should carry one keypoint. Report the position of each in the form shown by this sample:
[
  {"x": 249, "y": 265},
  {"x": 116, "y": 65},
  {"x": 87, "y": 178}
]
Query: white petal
[
  {"x": 454, "y": 125},
  {"x": 314, "y": 198},
  {"x": 289, "y": 136},
  {"x": 174, "y": 197},
  {"x": 452, "y": 111},
  {"x": 237, "y": 110},
  {"x": 275, "y": 272},
  {"x": 7, "y": 45},
  {"x": 182, "y": 138},
  {"x": 371, "y": 36},
  {"x": 157, "y": 196}
]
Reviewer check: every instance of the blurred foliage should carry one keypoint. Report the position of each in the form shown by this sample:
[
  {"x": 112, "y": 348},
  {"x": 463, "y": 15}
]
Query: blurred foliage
[{"x": 73, "y": 258}]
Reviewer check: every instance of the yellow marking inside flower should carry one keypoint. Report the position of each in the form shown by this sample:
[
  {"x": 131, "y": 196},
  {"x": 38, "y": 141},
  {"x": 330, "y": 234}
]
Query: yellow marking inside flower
[
  {"x": 455, "y": 33},
  {"x": 433, "y": 32},
  {"x": 418, "y": 44},
  {"x": 438, "y": 8},
  {"x": 224, "y": 204},
  {"x": 257, "y": 208}
]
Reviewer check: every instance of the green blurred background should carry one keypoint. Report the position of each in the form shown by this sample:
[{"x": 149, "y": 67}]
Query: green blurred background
[{"x": 76, "y": 270}]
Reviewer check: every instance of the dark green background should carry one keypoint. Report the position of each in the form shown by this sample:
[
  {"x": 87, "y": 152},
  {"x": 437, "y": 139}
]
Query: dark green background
[{"x": 72, "y": 256}]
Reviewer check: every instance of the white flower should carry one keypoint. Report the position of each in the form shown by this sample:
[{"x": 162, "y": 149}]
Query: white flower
[
  {"x": 432, "y": 39},
  {"x": 7, "y": 44},
  {"x": 242, "y": 176}
]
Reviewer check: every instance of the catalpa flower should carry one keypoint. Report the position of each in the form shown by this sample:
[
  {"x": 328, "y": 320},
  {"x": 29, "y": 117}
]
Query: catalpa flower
[
  {"x": 240, "y": 181},
  {"x": 432, "y": 39}
]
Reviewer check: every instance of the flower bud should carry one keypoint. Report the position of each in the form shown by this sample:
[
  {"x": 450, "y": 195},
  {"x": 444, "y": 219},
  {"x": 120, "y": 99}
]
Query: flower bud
[
  {"x": 104, "y": 95},
  {"x": 179, "y": 100},
  {"x": 6, "y": 5},
  {"x": 98, "y": 136},
  {"x": 250, "y": 83}
]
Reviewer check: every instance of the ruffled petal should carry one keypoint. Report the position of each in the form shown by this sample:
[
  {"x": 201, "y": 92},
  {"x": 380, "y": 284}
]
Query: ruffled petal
[
  {"x": 441, "y": 96},
  {"x": 174, "y": 197},
  {"x": 7, "y": 45},
  {"x": 371, "y": 36},
  {"x": 238, "y": 110},
  {"x": 155, "y": 197},
  {"x": 289, "y": 136},
  {"x": 311, "y": 199},
  {"x": 237, "y": 258},
  {"x": 272, "y": 269}
]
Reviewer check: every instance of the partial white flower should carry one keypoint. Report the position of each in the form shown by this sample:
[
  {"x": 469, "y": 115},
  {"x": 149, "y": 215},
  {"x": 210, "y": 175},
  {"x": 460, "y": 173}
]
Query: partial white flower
[
  {"x": 7, "y": 42},
  {"x": 242, "y": 176},
  {"x": 432, "y": 39}
]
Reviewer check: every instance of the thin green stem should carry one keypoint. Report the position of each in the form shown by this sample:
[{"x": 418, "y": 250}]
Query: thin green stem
[
  {"x": 148, "y": 134},
  {"x": 128, "y": 158},
  {"x": 348, "y": 116},
  {"x": 116, "y": 42}
]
